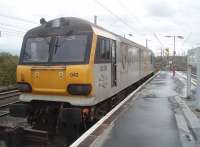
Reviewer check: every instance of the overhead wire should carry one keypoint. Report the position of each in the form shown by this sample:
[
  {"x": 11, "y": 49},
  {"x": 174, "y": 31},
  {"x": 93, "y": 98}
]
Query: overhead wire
[
  {"x": 115, "y": 15},
  {"x": 157, "y": 38},
  {"x": 10, "y": 33},
  {"x": 11, "y": 29},
  {"x": 18, "y": 19},
  {"x": 12, "y": 26},
  {"x": 130, "y": 12},
  {"x": 138, "y": 20}
]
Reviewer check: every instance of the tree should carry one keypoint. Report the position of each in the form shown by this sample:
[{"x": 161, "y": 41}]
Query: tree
[{"x": 8, "y": 64}]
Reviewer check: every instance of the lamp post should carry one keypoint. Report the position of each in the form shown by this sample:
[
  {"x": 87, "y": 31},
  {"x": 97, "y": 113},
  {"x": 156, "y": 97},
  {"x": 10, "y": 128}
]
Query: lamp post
[
  {"x": 147, "y": 42},
  {"x": 95, "y": 20},
  {"x": 174, "y": 52}
]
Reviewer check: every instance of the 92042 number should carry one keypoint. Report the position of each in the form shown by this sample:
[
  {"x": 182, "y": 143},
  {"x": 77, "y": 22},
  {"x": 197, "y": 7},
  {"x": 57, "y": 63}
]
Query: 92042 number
[{"x": 73, "y": 74}]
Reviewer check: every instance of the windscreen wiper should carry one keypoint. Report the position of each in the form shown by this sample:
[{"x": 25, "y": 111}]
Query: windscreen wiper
[{"x": 56, "y": 46}]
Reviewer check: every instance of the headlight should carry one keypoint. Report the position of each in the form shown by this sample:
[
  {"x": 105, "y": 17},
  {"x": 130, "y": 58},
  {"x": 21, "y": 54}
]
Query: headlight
[
  {"x": 24, "y": 87},
  {"x": 79, "y": 89}
]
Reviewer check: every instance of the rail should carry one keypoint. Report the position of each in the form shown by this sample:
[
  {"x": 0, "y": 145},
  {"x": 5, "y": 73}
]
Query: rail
[
  {"x": 20, "y": 137},
  {"x": 184, "y": 75},
  {"x": 9, "y": 93},
  {"x": 7, "y": 98}
]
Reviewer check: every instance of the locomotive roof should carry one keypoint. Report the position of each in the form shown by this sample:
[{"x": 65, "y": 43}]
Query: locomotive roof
[
  {"x": 61, "y": 26},
  {"x": 68, "y": 25}
]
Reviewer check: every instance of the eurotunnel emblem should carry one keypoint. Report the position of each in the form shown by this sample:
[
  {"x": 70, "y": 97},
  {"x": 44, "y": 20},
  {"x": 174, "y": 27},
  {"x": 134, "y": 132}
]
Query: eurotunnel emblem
[
  {"x": 61, "y": 75},
  {"x": 36, "y": 75}
]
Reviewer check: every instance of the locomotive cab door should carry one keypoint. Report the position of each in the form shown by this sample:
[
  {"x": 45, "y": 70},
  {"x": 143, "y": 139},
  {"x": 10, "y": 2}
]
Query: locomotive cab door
[{"x": 113, "y": 64}]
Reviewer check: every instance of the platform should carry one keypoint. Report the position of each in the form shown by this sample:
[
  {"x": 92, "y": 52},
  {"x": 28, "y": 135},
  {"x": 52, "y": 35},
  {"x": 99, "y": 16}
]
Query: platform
[{"x": 146, "y": 120}]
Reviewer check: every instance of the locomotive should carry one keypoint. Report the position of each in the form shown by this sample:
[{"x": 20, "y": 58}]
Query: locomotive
[{"x": 72, "y": 72}]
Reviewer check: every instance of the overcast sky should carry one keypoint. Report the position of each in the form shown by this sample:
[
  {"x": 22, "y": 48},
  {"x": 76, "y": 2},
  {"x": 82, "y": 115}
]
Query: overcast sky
[{"x": 144, "y": 19}]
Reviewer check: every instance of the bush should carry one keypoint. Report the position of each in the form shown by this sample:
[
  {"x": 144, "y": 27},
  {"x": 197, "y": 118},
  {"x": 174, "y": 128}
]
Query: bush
[{"x": 8, "y": 64}]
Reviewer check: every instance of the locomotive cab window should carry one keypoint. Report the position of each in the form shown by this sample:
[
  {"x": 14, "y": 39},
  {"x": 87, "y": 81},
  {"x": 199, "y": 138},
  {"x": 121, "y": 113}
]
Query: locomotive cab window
[
  {"x": 37, "y": 50},
  {"x": 113, "y": 65},
  {"x": 103, "y": 50},
  {"x": 70, "y": 48}
]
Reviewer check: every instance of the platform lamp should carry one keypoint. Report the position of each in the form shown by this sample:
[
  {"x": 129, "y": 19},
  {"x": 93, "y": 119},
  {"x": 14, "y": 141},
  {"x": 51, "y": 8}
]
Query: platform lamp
[
  {"x": 147, "y": 40},
  {"x": 174, "y": 52}
]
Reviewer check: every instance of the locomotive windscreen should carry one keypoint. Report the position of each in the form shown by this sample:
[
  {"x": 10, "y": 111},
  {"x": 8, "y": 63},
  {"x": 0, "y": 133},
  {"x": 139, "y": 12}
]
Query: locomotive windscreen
[
  {"x": 37, "y": 50},
  {"x": 70, "y": 49}
]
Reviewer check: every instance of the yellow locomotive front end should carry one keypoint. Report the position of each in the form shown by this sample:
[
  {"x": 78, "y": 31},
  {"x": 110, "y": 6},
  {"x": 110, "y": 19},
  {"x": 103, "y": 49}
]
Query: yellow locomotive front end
[
  {"x": 55, "y": 75},
  {"x": 55, "y": 80},
  {"x": 57, "y": 63}
]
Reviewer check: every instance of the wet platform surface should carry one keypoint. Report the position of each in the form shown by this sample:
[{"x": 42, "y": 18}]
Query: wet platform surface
[{"x": 149, "y": 121}]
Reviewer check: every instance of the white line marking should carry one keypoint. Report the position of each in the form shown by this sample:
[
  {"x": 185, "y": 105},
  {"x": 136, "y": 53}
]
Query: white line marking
[{"x": 94, "y": 127}]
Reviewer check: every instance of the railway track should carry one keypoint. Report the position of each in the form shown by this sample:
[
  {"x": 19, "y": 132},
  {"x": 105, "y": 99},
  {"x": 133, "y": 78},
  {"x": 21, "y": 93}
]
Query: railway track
[
  {"x": 7, "y": 98},
  {"x": 9, "y": 93},
  {"x": 184, "y": 75},
  {"x": 4, "y": 112},
  {"x": 192, "y": 74}
]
